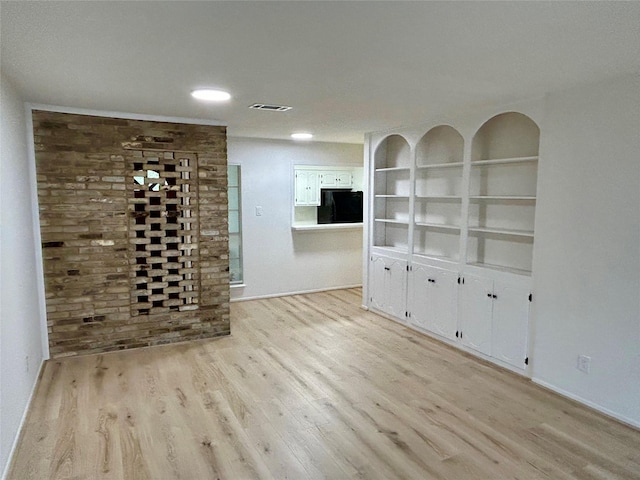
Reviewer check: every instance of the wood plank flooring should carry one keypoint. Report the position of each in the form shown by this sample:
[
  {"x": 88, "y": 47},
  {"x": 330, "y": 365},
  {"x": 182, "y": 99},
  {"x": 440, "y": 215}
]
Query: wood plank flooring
[{"x": 310, "y": 387}]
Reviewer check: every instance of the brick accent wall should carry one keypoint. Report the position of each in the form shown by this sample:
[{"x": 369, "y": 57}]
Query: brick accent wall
[{"x": 133, "y": 218}]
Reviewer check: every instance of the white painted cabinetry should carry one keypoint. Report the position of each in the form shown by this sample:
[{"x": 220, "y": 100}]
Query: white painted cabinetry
[
  {"x": 336, "y": 179},
  {"x": 307, "y": 188},
  {"x": 475, "y": 307},
  {"x": 494, "y": 317},
  {"x": 457, "y": 205},
  {"x": 388, "y": 285},
  {"x": 432, "y": 299}
]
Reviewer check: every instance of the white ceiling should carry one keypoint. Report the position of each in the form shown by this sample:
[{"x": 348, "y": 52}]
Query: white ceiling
[{"x": 346, "y": 68}]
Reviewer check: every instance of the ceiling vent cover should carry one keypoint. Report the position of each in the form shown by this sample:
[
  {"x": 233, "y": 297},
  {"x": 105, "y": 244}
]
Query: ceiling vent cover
[{"x": 270, "y": 108}]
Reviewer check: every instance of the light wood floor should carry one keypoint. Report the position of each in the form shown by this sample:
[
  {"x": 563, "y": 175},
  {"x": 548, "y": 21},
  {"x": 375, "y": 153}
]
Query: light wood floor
[{"x": 310, "y": 386}]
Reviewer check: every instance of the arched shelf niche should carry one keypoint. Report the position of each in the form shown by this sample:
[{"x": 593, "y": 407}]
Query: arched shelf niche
[
  {"x": 438, "y": 193},
  {"x": 391, "y": 186},
  {"x": 507, "y": 135},
  {"x": 393, "y": 152},
  {"x": 440, "y": 145},
  {"x": 502, "y": 193}
]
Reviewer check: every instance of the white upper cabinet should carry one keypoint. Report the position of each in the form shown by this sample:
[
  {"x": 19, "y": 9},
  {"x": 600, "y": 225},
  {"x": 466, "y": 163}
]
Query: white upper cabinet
[
  {"x": 307, "y": 188},
  {"x": 335, "y": 179}
]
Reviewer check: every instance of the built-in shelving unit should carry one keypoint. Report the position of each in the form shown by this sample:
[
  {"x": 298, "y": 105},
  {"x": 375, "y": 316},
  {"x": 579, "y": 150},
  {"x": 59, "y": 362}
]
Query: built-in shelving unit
[{"x": 452, "y": 232}]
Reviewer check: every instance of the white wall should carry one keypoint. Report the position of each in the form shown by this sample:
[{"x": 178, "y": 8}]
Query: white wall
[
  {"x": 587, "y": 246},
  {"x": 21, "y": 350},
  {"x": 278, "y": 260}
]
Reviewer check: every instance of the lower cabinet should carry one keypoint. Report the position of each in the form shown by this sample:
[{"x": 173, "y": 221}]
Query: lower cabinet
[
  {"x": 388, "y": 285},
  {"x": 432, "y": 299},
  {"x": 487, "y": 314},
  {"x": 494, "y": 317}
]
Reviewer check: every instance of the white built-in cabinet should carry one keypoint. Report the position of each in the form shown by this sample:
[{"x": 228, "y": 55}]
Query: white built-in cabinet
[
  {"x": 307, "y": 188},
  {"x": 336, "y": 179},
  {"x": 494, "y": 317},
  {"x": 432, "y": 300},
  {"x": 458, "y": 214},
  {"x": 388, "y": 284}
]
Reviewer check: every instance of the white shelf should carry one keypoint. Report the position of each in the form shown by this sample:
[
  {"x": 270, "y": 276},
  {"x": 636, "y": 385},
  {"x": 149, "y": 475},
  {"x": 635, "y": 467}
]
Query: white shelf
[
  {"x": 440, "y": 165},
  {"x": 327, "y": 226},
  {"x": 499, "y": 161},
  {"x": 400, "y": 197},
  {"x": 440, "y": 258},
  {"x": 439, "y": 197},
  {"x": 392, "y": 169},
  {"x": 389, "y": 220},
  {"x": 391, "y": 249},
  {"x": 438, "y": 225},
  {"x": 501, "y": 268},
  {"x": 502, "y": 231},
  {"x": 500, "y": 198}
]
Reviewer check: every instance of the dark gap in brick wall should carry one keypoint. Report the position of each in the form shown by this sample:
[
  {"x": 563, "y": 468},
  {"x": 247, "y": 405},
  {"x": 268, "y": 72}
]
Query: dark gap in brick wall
[{"x": 52, "y": 244}]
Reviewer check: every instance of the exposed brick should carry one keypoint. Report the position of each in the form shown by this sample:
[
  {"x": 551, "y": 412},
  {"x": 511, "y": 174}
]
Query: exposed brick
[{"x": 92, "y": 232}]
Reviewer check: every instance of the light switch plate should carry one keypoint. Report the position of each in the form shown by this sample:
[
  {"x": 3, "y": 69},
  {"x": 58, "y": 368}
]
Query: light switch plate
[{"x": 258, "y": 211}]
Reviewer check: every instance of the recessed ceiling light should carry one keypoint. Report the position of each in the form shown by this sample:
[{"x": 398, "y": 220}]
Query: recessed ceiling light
[
  {"x": 211, "y": 95},
  {"x": 301, "y": 136}
]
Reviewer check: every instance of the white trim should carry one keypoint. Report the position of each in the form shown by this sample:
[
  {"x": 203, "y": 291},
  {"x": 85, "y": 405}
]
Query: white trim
[
  {"x": 23, "y": 420},
  {"x": 35, "y": 212},
  {"x": 599, "y": 408},
  {"x": 327, "y": 226},
  {"x": 287, "y": 294},
  {"x": 125, "y": 115}
]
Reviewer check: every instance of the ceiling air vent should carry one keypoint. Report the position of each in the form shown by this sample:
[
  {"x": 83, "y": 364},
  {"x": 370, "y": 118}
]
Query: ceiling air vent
[{"x": 270, "y": 108}]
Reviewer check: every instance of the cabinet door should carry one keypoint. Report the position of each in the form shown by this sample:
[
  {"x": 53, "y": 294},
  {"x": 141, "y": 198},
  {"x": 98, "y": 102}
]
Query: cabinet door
[
  {"x": 419, "y": 303},
  {"x": 377, "y": 283},
  {"x": 344, "y": 179},
  {"x": 314, "y": 188},
  {"x": 475, "y": 305},
  {"x": 301, "y": 188},
  {"x": 307, "y": 187},
  {"x": 396, "y": 287},
  {"x": 328, "y": 179},
  {"x": 444, "y": 299},
  {"x": 510, "y": 323}
]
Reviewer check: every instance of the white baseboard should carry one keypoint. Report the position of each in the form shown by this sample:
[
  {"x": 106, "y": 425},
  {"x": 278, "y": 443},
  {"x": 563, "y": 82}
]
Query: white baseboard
[
  {"x": 599, "y": 408},
  {"x": 300, "y": 292},
  {"x": 14, "y": 446}
]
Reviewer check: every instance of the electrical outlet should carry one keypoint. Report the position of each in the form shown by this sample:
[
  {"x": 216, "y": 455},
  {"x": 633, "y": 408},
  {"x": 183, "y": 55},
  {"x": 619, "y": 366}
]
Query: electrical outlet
[
  {"x": 26, "y": 363},
  {"x": 584, "y": 363},
  {"x": 258, "y": 211}
]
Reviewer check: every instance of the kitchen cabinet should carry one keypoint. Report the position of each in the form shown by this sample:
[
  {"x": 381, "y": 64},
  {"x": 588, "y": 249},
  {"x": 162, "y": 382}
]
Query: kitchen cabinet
[
  {"x": 336, "y": 179},
  {"x": 307, "y": 188}
]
